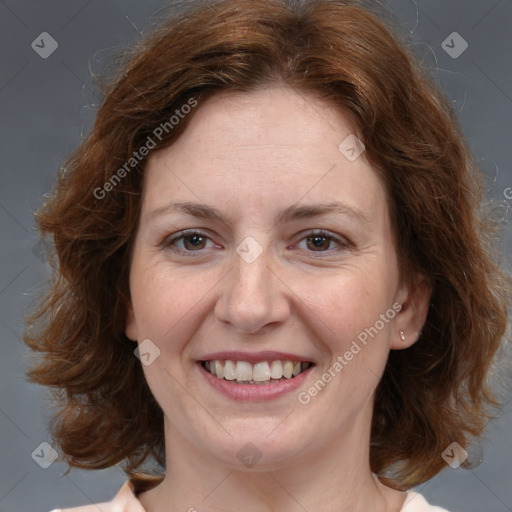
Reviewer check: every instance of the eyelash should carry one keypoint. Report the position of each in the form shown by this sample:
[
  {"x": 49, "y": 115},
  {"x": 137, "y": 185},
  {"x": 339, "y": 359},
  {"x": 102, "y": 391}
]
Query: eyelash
[{"x": 342, "y": 243}]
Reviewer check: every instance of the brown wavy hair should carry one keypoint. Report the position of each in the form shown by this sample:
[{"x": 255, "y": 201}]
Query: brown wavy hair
[{"x": 431, "y": 394}]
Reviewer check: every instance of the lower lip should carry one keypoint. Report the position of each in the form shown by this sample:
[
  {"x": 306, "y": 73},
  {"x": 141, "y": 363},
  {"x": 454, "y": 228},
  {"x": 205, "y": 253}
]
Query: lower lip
[{"x": 254, "y": 392}]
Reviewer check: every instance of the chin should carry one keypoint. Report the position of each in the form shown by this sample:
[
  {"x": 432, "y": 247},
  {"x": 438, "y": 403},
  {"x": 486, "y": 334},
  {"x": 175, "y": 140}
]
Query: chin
[{"x": 258, "y": 445}]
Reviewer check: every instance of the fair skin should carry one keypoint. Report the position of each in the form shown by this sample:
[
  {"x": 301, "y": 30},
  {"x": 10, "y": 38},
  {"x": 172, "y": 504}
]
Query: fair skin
[{"x": 251, "y": 156}]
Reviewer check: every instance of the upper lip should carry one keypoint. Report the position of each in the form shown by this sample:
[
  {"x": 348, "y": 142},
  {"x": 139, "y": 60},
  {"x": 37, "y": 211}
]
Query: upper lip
[{"x": 254, "y": 357}]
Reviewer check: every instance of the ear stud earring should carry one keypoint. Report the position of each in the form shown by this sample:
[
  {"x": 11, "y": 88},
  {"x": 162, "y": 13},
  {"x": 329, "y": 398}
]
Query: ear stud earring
[{"x": 402, "y": 335}]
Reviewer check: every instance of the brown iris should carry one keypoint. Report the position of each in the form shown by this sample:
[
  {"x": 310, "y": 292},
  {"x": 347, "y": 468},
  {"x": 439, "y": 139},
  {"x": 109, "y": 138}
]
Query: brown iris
[
  {"x": 197, "y": 241},
  {"x": 317, "y": 242}
]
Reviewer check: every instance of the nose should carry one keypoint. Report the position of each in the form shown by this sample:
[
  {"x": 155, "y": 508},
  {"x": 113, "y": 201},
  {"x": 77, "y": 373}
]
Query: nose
[{"x": 253, "y": 295}]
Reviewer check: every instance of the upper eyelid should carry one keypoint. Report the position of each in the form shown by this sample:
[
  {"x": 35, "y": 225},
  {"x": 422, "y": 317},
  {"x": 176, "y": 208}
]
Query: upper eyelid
[
  {"x": 339, "y": 239},
  {"x": 342, "y": 241},
  {"x": 182, "y": 234}
]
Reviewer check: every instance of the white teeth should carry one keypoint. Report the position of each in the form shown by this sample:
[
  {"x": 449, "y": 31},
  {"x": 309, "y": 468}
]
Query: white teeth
[
  {"x": 263, "y": 371},
  {"x": 243, "y": 371},
  {"x": 229, "y": 370},
  {"x": 287, "y": 369},
  {"x": 276, "y": 370},
  {"x": 218, "y": 369}
]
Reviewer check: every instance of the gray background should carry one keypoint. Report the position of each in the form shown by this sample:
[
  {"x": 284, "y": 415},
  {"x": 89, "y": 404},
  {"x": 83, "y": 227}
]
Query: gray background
[{"x": 46, "y": 105}]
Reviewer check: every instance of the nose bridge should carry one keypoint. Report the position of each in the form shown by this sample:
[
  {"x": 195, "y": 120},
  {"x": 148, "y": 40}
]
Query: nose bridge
[
  {"x": 250, "y": 267},
  {"x": 251, "y": 297}
]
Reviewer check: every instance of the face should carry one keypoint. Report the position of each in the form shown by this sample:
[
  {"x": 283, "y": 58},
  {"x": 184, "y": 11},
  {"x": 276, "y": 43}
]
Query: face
[{"x": 263, "y": 250}]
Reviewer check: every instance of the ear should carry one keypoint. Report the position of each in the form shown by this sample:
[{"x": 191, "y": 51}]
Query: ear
[
  {"x": 131, "y": 324},
  {"x": 415, "y": 301}
]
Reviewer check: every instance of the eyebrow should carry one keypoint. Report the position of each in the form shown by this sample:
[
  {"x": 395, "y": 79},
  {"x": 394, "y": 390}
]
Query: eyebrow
[{"x": 294, "y": 212}]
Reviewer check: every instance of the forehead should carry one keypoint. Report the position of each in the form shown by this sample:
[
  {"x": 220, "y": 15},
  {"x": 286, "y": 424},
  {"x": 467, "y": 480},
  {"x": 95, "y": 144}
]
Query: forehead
[{"x": 274, "y": 146}]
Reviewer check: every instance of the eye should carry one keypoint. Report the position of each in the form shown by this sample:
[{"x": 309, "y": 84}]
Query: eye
[
  {"x": 321, "y": 241},
  {"x": 192, "y": 241}
]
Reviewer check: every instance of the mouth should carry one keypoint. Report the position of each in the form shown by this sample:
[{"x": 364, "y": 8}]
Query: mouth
[{"x": 260, "y": 373}]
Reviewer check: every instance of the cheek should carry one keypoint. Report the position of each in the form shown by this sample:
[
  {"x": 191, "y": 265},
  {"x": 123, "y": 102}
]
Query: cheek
[
  {"x": 166, "y": 306},
  {"x": 348, "y": 303},
  {"x": 163, "y": 299},
  {"x": 349, "y": 329}
]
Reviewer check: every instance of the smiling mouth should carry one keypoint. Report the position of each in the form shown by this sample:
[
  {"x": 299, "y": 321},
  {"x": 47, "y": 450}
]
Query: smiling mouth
[{"x": 263, "y": 372}]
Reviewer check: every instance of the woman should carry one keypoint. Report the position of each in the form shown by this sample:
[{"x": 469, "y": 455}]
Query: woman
[{"x": 272, "y": 279}]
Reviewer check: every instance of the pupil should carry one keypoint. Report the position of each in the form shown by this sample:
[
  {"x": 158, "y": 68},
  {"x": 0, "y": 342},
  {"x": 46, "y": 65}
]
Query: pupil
[
  {"x": 319, "y": 242},
  {"x": 195, "y": 240}
]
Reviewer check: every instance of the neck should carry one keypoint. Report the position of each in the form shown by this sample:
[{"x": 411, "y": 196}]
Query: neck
[{"x": 336, "y": 477}]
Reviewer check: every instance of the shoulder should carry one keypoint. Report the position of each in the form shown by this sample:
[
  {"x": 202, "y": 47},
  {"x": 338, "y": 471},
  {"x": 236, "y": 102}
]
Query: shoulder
[
  {"x": 415, "y": 502},
  {"x": 124, "y": 501}
]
